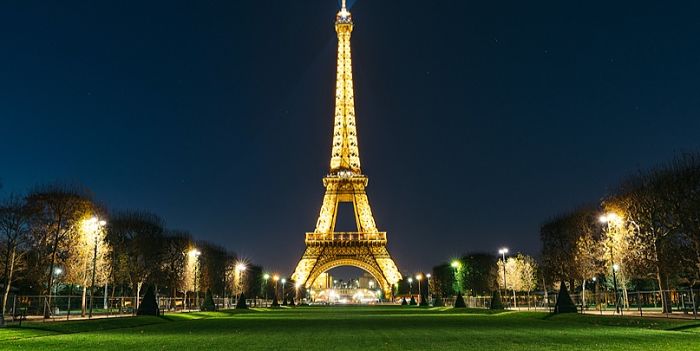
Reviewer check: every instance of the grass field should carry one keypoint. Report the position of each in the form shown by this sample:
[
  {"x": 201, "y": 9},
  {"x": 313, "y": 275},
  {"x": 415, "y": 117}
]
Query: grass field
[{"x": 350, "y": 328}]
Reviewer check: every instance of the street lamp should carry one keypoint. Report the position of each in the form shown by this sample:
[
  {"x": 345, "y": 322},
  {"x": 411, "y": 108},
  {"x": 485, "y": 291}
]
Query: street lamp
[
  {"x": 455, "y": 267},
  {"x": 428, "y": 276},
  {"x": 419, "y": 277},
  {"x": 266, "y": 277},
  {"x": 93, "y": 226},
  {"x": 284, "y": 293},
  {"x": 240, "y": 268},
  {"x": 595, "y": 289},
  {"x": 503, "y": 253},
  {"x": 612, "y": 219},
  {"x": 615, "y": 268},
  {"x": 276, "y": 278},
  {"x": 194, "y": 255},
  {"x": 410, "y": 286},
  {"x": 56, "y": 272}
]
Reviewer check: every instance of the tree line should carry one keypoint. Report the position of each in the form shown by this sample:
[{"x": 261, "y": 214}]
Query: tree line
[
  {"x": 58, "y": 239},
  {"x": 645, "y": 234},
  {"x": 480, "y": 274}
]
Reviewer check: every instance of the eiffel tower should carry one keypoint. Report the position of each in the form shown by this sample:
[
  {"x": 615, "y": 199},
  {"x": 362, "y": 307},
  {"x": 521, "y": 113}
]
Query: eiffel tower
[{"x": 325, "y": 248}]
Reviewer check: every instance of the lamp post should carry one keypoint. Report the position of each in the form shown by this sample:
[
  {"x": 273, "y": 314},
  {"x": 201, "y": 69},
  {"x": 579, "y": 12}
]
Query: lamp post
[
  {"x": 419, "y": 277},
  {"x": 613, "y": 220},
  {"x": 56, "y": 272},
  {"x": 94, "y": 225},
  {"x": 240, "y": 268},
  {"x": 297, "y": 285},
  {"x": 595, "y": 289},
  {"x": 266, "y": 277},
  {"x": 410, "y": 286},
  {"x": 503, "y": 253},
  {"x": 284, "y": 292},
  {"x": 194, "y": 255},
  {"x": 428, "y": 280},
  {"x": 455, "y": 267},
  {"x": 615, "y": 268},
  {"x": 276, "y": 278}
]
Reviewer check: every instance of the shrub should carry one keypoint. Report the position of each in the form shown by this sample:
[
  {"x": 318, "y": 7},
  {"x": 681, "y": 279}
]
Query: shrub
[
  {"x": 564, "y": 303},
  {"x": 496, "y": 302},
  {"x": 437, "y": 301},
  {"x": 241, "y": 302},
  {"x": 413, "y": 301},
  {"x": 291, "y": 302},
  {"x": 149, "y": 305},
  {"x": 423, "y": 301},
  {"x": 459, "y": 301},
  {"x": 208, "y": 304},
  {"x": 403, "y": 301},
  {"x": 275, "y": 303}
]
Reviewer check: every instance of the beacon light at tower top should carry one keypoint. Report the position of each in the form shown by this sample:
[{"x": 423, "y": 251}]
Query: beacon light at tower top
[{"x": 344, "y": 10}]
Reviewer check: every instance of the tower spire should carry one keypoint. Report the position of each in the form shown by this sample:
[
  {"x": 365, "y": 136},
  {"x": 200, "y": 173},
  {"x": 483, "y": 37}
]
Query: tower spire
[{"x": 345, "y": 155}]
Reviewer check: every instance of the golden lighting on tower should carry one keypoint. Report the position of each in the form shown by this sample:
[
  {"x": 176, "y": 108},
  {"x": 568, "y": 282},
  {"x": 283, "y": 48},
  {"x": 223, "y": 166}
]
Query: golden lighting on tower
[{"x": 366, "y": 247}]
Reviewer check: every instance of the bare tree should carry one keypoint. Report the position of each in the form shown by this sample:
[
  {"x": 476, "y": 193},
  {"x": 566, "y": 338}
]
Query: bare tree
[
  {"x": 87, "y": 252},
  {"x": 136, "y": 239},
  {"x": 650, "y": 226},
  {"x": 58, "y": 210},
  {"x": 176, "y": 246},
  {"x": 14, "y": 236}
]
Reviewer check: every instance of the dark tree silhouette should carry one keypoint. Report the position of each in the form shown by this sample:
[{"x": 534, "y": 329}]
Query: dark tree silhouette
[
  {"x": 459, "y": 301},
  {"x": 149, "y": 305},
  {"x": 564, "y": 303}
]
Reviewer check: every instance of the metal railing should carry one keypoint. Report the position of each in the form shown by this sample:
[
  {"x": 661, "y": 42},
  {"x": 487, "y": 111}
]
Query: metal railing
[
  {"x": 66, "y": 307},
  {"x": 346, "y": 236},
  {"x": 683, "y": 303}
]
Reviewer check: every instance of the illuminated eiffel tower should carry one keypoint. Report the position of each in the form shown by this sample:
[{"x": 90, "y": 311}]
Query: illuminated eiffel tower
[{"x": 365, "y": 248}]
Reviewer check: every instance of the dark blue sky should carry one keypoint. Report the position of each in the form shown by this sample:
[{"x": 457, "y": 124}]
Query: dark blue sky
[{"x": 477, "y": 120}]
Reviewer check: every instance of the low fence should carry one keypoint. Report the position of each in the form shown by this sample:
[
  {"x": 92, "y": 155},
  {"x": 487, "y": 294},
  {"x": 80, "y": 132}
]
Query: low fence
[
  {"x": 67, "y": 307},
  {"x": 683, "y": 301}
]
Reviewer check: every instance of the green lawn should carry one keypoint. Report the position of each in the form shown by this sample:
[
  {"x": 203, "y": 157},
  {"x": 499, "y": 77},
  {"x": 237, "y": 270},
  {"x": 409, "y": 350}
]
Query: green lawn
[{"x": 345, "y": 328}]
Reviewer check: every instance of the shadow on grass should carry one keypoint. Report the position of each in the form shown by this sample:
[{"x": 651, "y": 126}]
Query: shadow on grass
[{"x": 625, "y": 321}]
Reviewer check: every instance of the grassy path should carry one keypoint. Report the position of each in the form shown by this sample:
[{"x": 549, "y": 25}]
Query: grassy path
[{"x": 384, "y": 328}]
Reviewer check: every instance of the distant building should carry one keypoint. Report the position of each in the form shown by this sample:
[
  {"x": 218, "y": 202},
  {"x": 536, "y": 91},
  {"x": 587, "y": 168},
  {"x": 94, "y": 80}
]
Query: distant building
[
  {"x": 324, "y": 281},
  {"x": 367, "y": 281}
]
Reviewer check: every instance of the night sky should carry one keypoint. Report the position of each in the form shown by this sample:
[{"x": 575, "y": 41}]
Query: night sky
[{"x": 477, "y": 120}]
